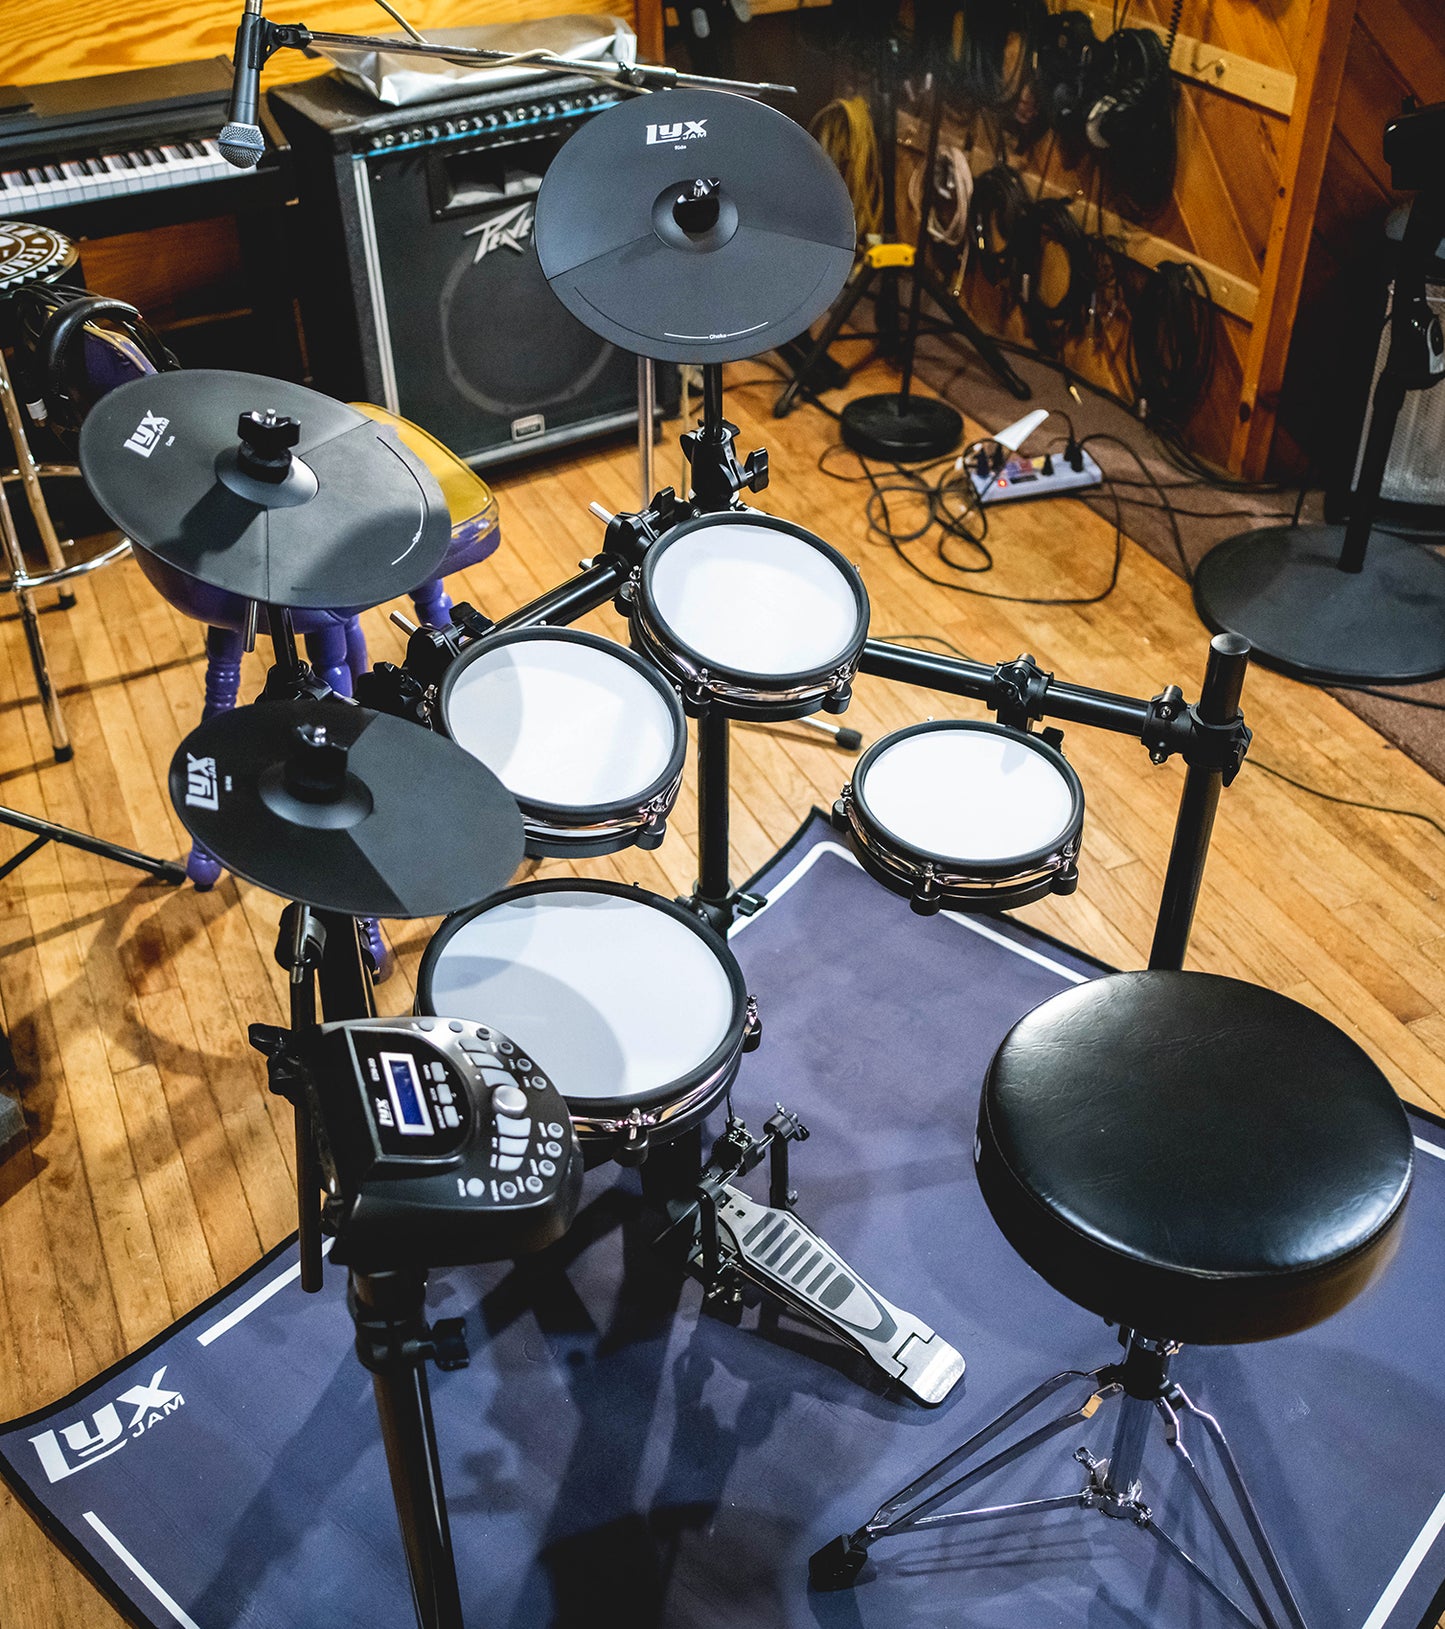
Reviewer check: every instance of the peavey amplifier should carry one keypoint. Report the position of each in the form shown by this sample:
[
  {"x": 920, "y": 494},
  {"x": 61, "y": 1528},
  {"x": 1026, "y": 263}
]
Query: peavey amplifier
[{"x": 418, "y": 282}]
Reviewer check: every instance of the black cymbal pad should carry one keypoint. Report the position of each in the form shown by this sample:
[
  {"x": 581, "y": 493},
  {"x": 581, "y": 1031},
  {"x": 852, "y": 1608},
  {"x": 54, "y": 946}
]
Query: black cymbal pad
[
  {"x": 694, "y": 226},
  {"x": 355, "y": 520},
  {"x": 346, "y": 809}
]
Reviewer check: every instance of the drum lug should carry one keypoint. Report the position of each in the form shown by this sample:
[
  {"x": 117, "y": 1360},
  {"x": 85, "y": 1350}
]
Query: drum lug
[
  {"x": 752, "y": 1027},
  {"x": 635, "y": 1133},
  {"x": 840, "y": 692},
  {"x": 1066, "y": 878},
  {"x": 697, "y": 694},
  {"x": 625, "y": 599},
  {"x": 842, "y": 805},
  {"x": 654, "y": 828},
  {"x": 927, "y": 898},
  {"x": 1053, "y": 737}
]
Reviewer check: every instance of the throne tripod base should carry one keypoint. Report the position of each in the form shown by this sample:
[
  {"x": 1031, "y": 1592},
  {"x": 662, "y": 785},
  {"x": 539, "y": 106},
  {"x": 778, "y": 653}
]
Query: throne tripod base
[{"x": 1113, "y": 1486}]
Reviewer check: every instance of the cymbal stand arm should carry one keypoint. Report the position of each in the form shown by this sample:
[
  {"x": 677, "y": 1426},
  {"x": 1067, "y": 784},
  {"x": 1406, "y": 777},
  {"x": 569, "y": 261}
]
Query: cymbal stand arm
[{"x": 300, "y": 947}]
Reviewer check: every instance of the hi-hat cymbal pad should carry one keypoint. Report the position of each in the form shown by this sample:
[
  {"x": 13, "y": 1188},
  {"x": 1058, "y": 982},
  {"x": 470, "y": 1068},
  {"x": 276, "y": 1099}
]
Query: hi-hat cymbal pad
[
  {"x": 694, "y": 226},
  {"x": 265, "y": 489},
  {"x": 346, "y": 809}
]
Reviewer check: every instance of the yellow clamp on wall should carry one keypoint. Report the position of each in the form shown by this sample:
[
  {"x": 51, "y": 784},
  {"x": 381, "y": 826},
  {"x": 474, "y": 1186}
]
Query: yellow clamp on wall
[{"x": 879, "y": 255}]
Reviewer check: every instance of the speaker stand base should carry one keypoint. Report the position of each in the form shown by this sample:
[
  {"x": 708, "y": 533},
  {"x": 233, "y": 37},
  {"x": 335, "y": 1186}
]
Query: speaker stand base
[
  {"x": 887, "y": 428},
  {"x": 1281, "y": 587}
]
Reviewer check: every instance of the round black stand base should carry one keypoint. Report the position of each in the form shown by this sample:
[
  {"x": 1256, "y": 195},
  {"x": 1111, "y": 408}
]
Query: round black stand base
[
  {"x": 903, "y": 433},
  {"x": 1281, "y": 588}
]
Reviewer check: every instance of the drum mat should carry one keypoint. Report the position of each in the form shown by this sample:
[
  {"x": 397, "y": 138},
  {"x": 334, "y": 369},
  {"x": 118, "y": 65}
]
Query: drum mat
[{"x": 611, "y": 1457}]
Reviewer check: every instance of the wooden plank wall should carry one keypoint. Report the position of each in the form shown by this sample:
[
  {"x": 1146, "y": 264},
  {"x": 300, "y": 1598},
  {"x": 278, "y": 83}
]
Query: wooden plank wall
[
  {"x": 41, "y": 40},
  {"x": 1234, "y": 179},
  {"x": 1396, "y": 49}
]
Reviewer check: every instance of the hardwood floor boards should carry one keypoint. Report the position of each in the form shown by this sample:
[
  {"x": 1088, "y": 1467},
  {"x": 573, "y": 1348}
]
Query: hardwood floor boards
[{"x": 157, "y": 1167}]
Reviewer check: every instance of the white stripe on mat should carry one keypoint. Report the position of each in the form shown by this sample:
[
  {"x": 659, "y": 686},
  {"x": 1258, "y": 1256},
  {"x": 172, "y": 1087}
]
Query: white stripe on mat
[
  {"x": 248, "y": 1306},
  {"x": 806, "y": 864},
  {"x": 1413, "y": 1557},
  {"x": 181, "y": 1616}
]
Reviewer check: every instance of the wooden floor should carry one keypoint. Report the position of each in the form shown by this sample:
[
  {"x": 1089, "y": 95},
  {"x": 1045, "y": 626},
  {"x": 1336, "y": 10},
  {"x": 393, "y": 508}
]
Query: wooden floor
[{"x": 157, "y": 1167}]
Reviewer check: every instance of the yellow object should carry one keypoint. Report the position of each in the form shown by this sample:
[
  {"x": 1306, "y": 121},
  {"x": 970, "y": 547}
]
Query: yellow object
[
  {"x": 879, "y": 255},
  {"x": 466, "y": 493},
  {"x": 844, "y": 130}
]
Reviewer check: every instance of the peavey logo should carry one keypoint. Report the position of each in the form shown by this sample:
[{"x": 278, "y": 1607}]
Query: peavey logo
[
  {"x": 509, "y": 230},
  {"x": 201, "y": 791},
  {"x": 145, "y": 438},
  {"x": 692, "y": 130},
  {"x": 88, "y": 1442}
]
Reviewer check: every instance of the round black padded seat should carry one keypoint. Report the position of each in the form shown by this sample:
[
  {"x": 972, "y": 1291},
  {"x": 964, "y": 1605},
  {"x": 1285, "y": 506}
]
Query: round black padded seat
[{"x": 1193, "y": 1157}]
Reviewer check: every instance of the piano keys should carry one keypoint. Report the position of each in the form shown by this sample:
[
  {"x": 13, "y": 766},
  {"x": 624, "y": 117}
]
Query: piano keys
[
  {"x": 116, "y": 152},
  {"x": 89, "y": 177}
]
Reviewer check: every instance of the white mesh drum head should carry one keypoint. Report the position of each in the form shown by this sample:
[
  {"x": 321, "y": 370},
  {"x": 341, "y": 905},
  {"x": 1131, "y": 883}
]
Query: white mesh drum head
[
  {"x": 562, "y": 723},
  {"x": 968, "y": 794},
  {"x": 751, "y": 599},
  {"x": 612, "y": 997}
]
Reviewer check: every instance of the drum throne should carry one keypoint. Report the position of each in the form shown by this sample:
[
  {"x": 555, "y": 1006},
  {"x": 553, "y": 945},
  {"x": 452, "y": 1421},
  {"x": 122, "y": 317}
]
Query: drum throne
[{"x": 1197, "y": 1160}]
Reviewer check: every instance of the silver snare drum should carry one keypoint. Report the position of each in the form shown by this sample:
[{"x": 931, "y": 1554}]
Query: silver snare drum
[
  {"x": 588, "y": 737},
  {"x": 964, "y": 815},
  {"x": 640, "y": 1011},
  {"x": 750, "y": 615}
]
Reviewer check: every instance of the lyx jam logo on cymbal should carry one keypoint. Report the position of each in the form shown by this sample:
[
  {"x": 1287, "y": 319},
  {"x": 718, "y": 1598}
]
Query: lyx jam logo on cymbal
[
  {"x": 509, "y": 230},
  {"x": 201, "y": 788},
  {"x": 689, "y": 130},
  {"x": 146, "y": 436}
]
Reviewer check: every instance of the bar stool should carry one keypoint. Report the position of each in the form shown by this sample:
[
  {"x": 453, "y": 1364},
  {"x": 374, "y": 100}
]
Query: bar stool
[
  {"x": 36, "y": 254},
  {"x": 1197, "y": 1160}
]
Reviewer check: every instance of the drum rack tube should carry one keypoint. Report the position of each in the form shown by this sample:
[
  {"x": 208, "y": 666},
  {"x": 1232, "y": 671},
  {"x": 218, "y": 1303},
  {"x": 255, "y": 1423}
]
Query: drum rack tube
[
  {"x": 1210, "y": 736},
  {"x": 569, "y": 602}
]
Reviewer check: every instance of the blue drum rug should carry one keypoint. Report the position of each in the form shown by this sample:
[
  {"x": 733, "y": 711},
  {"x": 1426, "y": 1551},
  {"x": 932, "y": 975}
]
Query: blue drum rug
[{"x": 611, "y": 1457}]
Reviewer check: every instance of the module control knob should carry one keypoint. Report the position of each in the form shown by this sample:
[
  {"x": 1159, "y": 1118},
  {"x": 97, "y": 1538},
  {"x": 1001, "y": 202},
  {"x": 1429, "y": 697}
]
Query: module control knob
[{"x": 509, "y": 1100}]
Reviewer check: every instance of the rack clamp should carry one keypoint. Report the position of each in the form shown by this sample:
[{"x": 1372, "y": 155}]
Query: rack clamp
[
  {"x": 287, "y": 1073},
  {"x": 1018, "y": 691},
  {"x": 385, "y": 1345},
  {"x": 1174, "y": 725}
]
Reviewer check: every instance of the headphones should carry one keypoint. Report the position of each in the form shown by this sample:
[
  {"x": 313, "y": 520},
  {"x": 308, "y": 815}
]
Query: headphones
[{"x": 62, "y": 377}]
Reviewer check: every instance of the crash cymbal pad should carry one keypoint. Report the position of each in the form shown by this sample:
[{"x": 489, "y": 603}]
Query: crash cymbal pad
[
  {"x": 265, "y": 489},
  {"x": 346, "y": 809},
  {"x": 694, "y": 226}
]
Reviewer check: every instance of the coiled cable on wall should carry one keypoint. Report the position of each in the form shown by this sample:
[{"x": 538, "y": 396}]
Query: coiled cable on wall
[
  {"x": 1000, "y": 200},
  {"x": 1048, "y": 237},
  {"x": 1171, "y": 341},
  {"x": 952, "y": 197},
  {"x": 844, "y": 130}
]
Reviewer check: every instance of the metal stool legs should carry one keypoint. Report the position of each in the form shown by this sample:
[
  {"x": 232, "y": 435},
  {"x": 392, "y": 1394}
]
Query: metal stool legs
[
  {"x": 1113, "y": 1486},
  {"x": 22, "y": 583}
]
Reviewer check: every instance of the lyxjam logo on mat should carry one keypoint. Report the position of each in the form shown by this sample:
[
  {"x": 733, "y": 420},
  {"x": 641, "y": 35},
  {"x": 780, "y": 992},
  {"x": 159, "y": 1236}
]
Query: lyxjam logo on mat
[
  {"x": 691, "y": 130},
  {"x": 146, "y": 436},
  {"x": 87, "y": 1442}
]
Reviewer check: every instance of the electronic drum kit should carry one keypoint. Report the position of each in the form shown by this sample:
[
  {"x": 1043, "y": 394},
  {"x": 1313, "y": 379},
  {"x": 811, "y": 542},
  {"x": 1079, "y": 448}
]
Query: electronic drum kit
[{"x": 692, "y": 226}]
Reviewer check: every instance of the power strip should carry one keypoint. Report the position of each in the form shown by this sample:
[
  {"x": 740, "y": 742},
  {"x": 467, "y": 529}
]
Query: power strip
[{"x": 1023, "y": 477}]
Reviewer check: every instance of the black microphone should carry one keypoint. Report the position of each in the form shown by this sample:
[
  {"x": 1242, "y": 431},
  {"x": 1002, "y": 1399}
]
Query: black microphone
[{"x": 241, "y": 142}]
